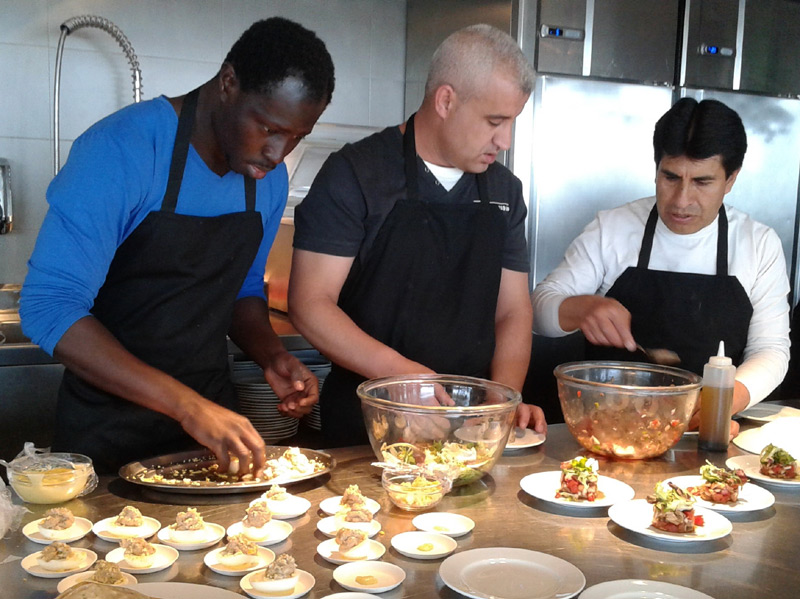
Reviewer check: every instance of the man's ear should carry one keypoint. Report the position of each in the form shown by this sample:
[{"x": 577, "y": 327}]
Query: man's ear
[
  {"x": 731, "y": 180},
  {"x": 228, "y": 81},
  {"x": 444, "y": 100}
]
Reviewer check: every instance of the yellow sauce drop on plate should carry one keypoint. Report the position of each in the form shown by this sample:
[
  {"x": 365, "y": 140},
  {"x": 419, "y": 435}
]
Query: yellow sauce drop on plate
[
  {"x": 425, "y": 547},
  {"x": 366, "y": 580}
]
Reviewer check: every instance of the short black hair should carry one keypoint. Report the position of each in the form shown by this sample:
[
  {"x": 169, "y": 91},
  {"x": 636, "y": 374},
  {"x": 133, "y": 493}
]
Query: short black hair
[
  {"x": 700, "y": 130},
  {"x": 276, "y": 48}
]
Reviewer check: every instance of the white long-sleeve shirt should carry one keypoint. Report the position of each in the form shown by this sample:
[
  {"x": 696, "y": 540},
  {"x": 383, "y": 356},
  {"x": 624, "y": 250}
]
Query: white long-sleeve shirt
[{"x": 611, "y": 243}]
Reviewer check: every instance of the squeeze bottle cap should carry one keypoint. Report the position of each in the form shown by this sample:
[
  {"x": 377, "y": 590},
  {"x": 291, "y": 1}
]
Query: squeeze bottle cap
[{"x": 720, "y": 359}]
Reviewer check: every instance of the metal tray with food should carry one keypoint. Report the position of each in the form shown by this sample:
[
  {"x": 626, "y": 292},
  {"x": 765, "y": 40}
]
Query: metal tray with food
[{"x": 198, "y": 472}]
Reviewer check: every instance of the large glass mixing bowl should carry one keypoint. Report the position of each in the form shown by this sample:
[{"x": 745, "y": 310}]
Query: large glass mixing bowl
[
  {"x": 626, "y": 409},
  {"x": 407, "y": 422}
]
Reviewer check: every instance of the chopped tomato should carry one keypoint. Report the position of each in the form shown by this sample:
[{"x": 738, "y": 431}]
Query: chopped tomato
[{"x": 698, "y": 521}]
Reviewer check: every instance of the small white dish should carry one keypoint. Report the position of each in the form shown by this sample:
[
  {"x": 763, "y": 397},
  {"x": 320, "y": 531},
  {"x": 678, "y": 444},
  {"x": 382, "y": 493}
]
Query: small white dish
[
  {"x": 305, "y": 582},
  {"x": 329, "y": 550},
  {"x": 423, "y": 545},
  {"x": 80, "y": 529},
  {"x": 332, "y": 505},
  {"x": 214, "y": 534},
  {"x": 150, "y": 527},
  {"x": 751, "y": 497},
  {"x": 544, "y": 485},
  {"x": 767, "y": 411},
  {"x": 291, "y": 507},
  {"x": 165, "y": 557},
  {"x": 387, "y": 576},
  {"x": 452, "y": 525},
  {"x": 352, "y": 595},
  {"x": 751, "y": 465},
  {"x": 637, "y": 515},
  {"x": 520, "y": 438},
  {"x": 628, "y": 589},
  {"x": 329, "y": 527},
  {"x": 276, "y": 530},
  {"x": 31, "y": 565},
  {"x": 262, "y": 559},
  {"x": 74, "y": 579}
]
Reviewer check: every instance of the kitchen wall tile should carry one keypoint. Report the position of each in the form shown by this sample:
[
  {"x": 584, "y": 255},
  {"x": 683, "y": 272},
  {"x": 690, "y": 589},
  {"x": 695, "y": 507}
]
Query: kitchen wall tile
[
  {"x": 23, "y": 22},
  {"x": 385, "y": 102},
  {"x": 350, "y": 105},
  {"x": 175, "y": 77},
  {"x": 24, "y": 103},
  {"x": 387, "y": 49}
]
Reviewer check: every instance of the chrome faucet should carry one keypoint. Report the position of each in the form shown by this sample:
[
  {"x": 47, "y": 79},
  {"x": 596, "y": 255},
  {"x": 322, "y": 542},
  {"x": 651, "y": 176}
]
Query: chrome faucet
[{"x": 6, "y": 212}]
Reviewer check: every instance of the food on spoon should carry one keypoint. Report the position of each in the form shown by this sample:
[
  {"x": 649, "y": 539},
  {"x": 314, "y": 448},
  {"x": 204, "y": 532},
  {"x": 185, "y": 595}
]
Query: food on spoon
[
  {"x": 673, "y": 509},
  {"x": 720, "y": 485},
  {"x": 256, "y": 520},
  {"x": 239, "y": 552},
  {"x": 88, "y": 589},
  {"x": 129, "y": 523},
  {"x": 188, "y": 528},
  {"x": 60, "y": 557},
  {"x": 579, "y": 480},
  {"x": 107, "y": 573},
  {"x": 58, "y": 523},
  {"x": 351, "y": 543},
  {"x": 138, "y": 553},
  {"x": 280, "y": 577},
  {"x": 777, "y": 463}
]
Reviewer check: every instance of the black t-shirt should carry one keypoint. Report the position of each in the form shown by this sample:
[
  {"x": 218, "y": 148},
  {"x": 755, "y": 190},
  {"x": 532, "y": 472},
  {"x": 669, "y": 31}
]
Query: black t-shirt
[{"x": 343, "y": 211}]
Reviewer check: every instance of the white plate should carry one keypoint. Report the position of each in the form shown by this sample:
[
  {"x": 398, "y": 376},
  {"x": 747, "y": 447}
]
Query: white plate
[
  {"x": 330, "y": 551},
  {"x": 289, "y": 508},
  {"x": 768, "y": 411},
  {"x": 331, "y": 505},
  {"x": 328, "y": 527},
  {"x": 30, "y": 564},
  {"x": 165, "y": 557},
  {"x": 636, "y": 515},
  {"x": 352, "y": 595},
  {"x": 641, "y": 589},
  {"x": 214, "y": 534},
  {"x": 751, "y": 497},
  {"x": 508, "y": 573},
  {"x": 751, "y": 465},
  {"x": 263, "y": 559},
  {"x": 184, "y": 590},
  {"x": 524, "y": 438},
  {"x": 70, "y": 581},
  {"x": 305, "y": 582},
  {"x": 409, "y": 543},
  {"x": 388, "y": 576},
  {"x": 277, "y": 531},
  {"x": 101, "y": 529},
  {"x": 783, "y": 433},
  {"x": 81, "y": 528},
  {"x": 452, "y": 525},
  {"x": 543, "y": 485}
]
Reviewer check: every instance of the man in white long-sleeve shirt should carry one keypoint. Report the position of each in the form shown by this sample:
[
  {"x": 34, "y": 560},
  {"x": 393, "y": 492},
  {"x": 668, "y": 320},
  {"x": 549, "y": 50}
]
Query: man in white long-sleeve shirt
[{"x": 680, "y": 270}]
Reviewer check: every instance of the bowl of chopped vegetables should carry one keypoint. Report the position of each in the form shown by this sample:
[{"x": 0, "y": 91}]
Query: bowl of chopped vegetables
[
  {"x": 413, "y": 492},
  {"x": 454, "y": 427},
  {"x": 626, "y": 409}
]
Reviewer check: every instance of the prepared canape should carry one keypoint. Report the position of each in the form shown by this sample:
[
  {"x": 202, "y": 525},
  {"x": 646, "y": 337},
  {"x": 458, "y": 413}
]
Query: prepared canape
[
  {"x": 58, "y": 523},
  {"x": 60, "y": 557},
  {"x": 129, "y": 523},
  {"x": 351, "y": 543},
  {"x": 352, "y": 496},
  {"x": 279, "y": 577},
  {"x": 777, "y": 463},
  {"x": 107, "y": 573},
  {"x": 578, "y": 480},
  {"x": 238, "y": 552},
  {"x": 138, "y": 553},
  {"x": 88, "y": 589},
  {"x": 255, "y": 522},
  {"x": 720, "y": 485},
  {"x": 673, "y": 509},
  {"x": 189, "y": 527}
]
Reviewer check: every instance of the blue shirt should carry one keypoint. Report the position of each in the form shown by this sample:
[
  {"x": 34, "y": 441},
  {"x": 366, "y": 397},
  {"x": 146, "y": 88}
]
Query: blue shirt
[{"x": 116, "y": 174}]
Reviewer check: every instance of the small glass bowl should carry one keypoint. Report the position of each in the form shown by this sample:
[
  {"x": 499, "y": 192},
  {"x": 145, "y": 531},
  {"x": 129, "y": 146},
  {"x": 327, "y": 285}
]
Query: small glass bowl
[
  {"x": 413, "y": 492},
  {"x": 52, "y": 477}
]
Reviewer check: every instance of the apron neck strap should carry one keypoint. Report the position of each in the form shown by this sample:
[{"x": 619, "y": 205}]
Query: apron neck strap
[
  {"x": 722, "y": 241},
  {"x": 180, "y": 151}
]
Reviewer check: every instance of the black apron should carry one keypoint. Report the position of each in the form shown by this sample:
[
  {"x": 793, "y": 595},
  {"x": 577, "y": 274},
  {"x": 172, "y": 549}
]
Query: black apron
[
  {"x": 427, "y": 289},
  {"x": 168, "y": 299},
  {"x": 688, "y": 313}
]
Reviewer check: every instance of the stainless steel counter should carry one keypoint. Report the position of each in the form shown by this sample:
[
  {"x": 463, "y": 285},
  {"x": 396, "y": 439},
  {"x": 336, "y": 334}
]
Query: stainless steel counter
[{"x": 758, "y": 559}]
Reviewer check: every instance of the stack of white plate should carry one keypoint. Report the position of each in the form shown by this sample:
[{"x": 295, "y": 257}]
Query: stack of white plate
[{"x": 259, "y": 403}]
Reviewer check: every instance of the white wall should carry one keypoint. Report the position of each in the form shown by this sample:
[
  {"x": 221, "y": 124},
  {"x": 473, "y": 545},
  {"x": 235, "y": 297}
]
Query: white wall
[{"x": 180, "y": 44}]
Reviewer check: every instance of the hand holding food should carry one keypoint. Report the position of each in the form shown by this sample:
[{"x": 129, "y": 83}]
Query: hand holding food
[{"x": 293, "y": 383}]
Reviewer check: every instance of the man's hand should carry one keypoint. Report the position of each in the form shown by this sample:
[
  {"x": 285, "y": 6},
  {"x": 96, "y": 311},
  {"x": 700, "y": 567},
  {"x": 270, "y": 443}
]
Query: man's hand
[
  {"x": 531, "y": 416},
  {"x": 293, "y": 383},
  {"x": 603, "y": 320},
  {"x": 229, "y": 435}
]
